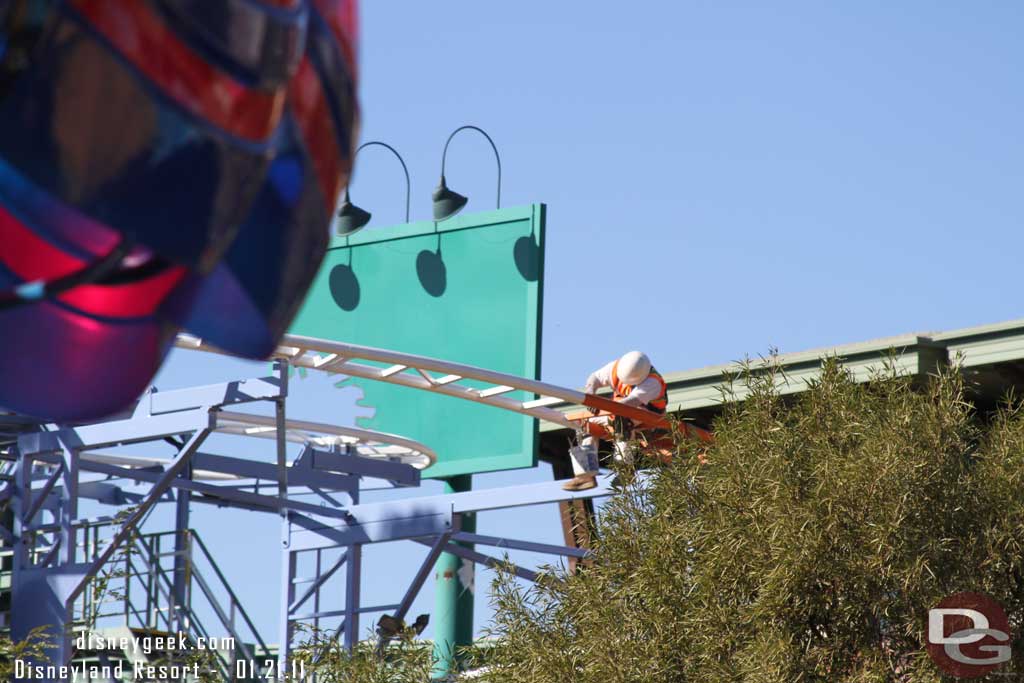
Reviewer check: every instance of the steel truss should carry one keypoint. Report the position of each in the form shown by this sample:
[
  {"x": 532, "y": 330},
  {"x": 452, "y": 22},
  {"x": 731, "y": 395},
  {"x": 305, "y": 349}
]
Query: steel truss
[
  {"x": 444, "y": 377},
  {"x": 52, "y": 470}
]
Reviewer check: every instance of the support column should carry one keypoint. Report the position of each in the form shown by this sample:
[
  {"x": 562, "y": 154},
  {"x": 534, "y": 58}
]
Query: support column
[
  {"x": 353, "y": 585},
  {"x": 39, "y": 594},
  {"x": 289, "y": 559},
  {"x": 453, "y": 601},
  {"x": 68, "y": 505},
  {"x": 182, "y": 555},
  {"x": 286, "y": 630},
  {"x": 577, "y": 515}
]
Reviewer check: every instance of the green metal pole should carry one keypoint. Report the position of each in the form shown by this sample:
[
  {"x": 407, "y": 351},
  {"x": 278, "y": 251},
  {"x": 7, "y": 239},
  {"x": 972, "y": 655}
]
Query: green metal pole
[{"x": 453, "y": 602}]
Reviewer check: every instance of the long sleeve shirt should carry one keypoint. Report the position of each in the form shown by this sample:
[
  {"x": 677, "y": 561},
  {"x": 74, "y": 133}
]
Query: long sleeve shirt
[{"x": 641, "y": 395}]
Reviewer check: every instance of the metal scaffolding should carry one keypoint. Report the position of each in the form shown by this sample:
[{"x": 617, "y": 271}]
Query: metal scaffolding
[{"x": 57, "y": 554}]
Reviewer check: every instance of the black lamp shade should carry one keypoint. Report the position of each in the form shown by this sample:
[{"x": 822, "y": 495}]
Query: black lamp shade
[
  {"x": 350, "y": 217},
  {"x": 446, "y": 202}
]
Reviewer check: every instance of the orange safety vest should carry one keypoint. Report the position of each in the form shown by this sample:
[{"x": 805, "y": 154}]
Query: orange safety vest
[{"x": 622, "y": 390}]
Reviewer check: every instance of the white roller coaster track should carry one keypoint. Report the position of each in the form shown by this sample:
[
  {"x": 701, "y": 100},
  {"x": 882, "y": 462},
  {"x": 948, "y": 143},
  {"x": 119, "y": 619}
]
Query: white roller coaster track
[
  {"x": 440, "y": 377},
  {"x": 365, "y": 443}
]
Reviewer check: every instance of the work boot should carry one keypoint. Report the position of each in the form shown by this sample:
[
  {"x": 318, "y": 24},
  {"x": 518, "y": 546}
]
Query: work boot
[{"x": 581, "y": 482}]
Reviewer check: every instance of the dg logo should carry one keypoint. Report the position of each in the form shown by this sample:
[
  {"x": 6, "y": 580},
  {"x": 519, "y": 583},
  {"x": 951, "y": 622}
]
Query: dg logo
[{"x": 968, "y": 635}]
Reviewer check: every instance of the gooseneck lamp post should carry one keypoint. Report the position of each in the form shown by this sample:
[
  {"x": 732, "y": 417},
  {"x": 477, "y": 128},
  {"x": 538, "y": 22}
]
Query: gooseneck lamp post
[
  {"x": 352, "y": 218},
  {"x": 447, "y": 202}
]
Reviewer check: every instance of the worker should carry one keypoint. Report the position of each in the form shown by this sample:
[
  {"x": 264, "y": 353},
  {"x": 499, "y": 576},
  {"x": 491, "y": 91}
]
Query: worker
[{"x": 634, "y": 383}]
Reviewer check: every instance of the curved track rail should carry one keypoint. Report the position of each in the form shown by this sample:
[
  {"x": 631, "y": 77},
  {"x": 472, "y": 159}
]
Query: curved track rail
[
  {"x": 442, "y": 377},
  {"x": 367, "y": 443}
]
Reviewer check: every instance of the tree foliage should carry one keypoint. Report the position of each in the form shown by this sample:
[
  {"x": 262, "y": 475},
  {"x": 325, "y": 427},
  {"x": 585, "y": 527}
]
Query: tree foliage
[
  {"x": 404, "y": 659},
  {"x": 31, "y": 648},
  {"x": 809, "y": 547}
]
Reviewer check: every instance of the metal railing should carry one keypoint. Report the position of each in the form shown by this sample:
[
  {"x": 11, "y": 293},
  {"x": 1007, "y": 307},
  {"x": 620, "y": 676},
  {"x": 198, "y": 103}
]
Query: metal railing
[{"x": 137, "y": 590}]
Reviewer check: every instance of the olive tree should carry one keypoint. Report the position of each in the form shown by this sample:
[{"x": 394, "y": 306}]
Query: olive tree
[{"x": 806, "y": 544}]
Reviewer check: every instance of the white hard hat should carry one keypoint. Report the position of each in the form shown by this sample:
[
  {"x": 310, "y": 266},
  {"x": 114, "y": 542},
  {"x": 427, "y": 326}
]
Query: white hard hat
[{"x": 633, "y": 367}]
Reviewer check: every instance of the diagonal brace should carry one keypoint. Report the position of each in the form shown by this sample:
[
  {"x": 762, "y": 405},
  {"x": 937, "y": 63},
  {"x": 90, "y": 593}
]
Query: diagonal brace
[
  {"x": 176, "y": 467},
  {"x": 480, "y": 558},
  {"x": 41, "y": 494},
  {"x": 421, "y": 575},
  {"x": 317, "y": 583},
  {"x": 513, "y": 544}
]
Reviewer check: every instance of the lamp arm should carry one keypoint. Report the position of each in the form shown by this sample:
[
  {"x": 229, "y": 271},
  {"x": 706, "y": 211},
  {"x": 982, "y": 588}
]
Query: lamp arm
[
  {"x": 405, "y": 169},
  {"x": 497, "y": 157}
]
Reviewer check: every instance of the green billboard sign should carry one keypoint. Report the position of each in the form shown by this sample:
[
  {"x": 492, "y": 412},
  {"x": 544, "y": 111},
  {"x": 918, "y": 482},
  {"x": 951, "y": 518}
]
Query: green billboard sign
[{"x": 468, "y": 290}]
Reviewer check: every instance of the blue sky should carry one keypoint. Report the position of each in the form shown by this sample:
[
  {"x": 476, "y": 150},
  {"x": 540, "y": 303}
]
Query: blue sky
[{"x": 721, "y": 178}]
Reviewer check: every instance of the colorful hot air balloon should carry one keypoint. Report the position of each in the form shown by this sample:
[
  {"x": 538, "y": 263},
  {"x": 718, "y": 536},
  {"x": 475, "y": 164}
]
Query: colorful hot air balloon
[
  {"x": 266, "y": 272},
  {"x": 162, "y": 163}
]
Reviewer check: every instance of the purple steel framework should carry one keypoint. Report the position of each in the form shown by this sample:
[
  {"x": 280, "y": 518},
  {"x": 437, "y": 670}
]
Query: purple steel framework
[{"x": 51, "y": 470}]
